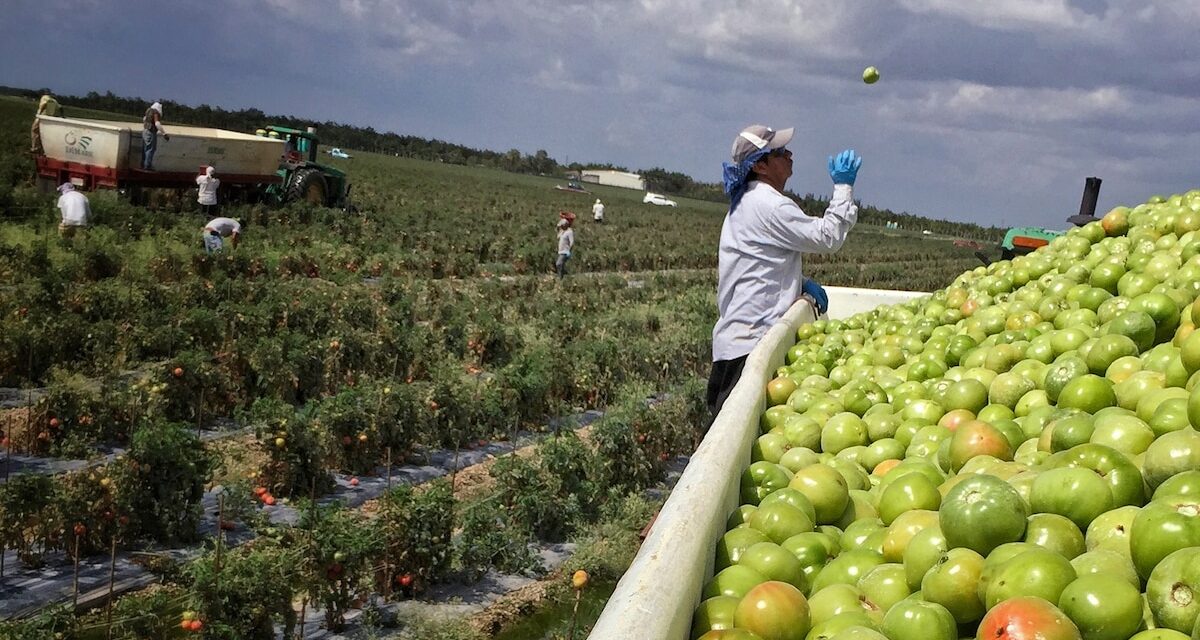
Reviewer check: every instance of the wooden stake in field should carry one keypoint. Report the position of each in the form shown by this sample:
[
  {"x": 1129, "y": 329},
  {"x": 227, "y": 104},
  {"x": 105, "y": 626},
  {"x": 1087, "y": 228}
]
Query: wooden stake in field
[
  {"x": 112, "y": 579},
  {"x": 75, "y": 580},
  {"x": 303, "y": 615},
  {"x": 220, "y": 531},
  {"x": 389, "y": 467},
  {"x": 575, "y": 613},
  {"x": 200, "y": 412}
]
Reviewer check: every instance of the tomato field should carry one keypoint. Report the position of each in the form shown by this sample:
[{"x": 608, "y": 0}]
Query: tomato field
[
  {"x": 189, "y": 401},
  {"x": 1015, "y": 456}
]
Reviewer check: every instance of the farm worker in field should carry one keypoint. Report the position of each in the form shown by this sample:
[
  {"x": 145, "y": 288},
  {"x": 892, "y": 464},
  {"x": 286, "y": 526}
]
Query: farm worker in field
[
  {"x": 598, "y": 211},
  {"x": 219, "y": 228},
  {"x": 759, "y": 268},
  {"x": 75, "y": 210},
  {"x": 566, "y": 242},
  {"x": 206, "y": 192},
  {"x": 47, "y": 106},
  {"x": 151, "y": 127}
]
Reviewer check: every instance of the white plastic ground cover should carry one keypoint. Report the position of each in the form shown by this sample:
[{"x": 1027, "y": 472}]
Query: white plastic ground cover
[{"x": 655, "y": 598}]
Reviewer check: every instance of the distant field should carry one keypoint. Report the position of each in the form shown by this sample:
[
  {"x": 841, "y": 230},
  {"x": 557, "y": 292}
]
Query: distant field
[{"x": 455, "y": 220}]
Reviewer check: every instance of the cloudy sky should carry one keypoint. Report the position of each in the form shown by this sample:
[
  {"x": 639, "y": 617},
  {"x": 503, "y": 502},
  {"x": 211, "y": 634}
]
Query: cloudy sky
[{"x": 991, "y": 111}]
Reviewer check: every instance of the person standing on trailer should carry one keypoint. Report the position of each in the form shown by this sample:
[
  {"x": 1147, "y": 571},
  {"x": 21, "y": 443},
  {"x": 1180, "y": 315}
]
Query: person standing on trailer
[
  {"x": 759, "y": 267},
  {"x": 75, "y": 210},
  {"x": 206, "y": 191},
  {"x": 47, "y": 106},
  {"x": 151, "y": 127},
  {"x": 219, "y": 228}
]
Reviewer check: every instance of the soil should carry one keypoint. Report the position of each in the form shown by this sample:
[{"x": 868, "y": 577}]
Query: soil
[{"x": 511, "y": 607}]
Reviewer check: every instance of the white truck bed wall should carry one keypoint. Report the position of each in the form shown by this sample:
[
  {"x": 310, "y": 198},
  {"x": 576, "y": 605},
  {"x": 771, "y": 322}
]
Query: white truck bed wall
[
  {"x": 656, "y": 597},
  {"x": 118, "y": 145}
]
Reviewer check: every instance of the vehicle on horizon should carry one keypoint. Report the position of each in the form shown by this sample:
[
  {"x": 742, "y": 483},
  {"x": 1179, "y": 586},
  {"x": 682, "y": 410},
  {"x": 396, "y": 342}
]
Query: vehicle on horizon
[
  {"x": 658, "y": 199},
  {"x": 573, "y": 186},
  {"x": 338, "y": 153}
]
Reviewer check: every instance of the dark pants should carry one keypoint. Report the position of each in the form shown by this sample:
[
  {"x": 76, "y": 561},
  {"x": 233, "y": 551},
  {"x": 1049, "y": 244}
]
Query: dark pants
[
  {"x": 210, "y": 209},
  {"x": 560, "y": 265},
  {"x": 725, "y": 374}
]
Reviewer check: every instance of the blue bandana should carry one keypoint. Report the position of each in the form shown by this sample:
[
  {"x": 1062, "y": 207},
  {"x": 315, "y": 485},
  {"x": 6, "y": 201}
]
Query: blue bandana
[{"x": 734, "y": 177}]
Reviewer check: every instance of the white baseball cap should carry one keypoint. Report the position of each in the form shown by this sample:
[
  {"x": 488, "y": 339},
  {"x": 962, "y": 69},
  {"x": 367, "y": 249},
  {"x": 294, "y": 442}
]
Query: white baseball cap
[{"x": 757, "y": 137}]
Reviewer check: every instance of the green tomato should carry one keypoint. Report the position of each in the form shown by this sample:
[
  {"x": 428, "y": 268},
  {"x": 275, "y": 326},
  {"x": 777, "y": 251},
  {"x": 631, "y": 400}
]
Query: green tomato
[
  {"x": 1165, "y": 525},
  {"x": 1106, "y": 562},
  {"x": 1102, "y": 607},
  {"x": 1056, "y": 533},
  {"x": 1036, "y": 572},
  {"x": 774, "y": 562},
  {"x": 1173, "y": 590},
  {"x": 774, "y": 611},
  {"x": 1122, "y": 476},
  {"x": 919, "y": 620},
  {"x": 954, "y": 582},
  {"x": 982, "y": 513},
  {"x": 1074, "y": 492},
  {"x": 760, "y": 479}
]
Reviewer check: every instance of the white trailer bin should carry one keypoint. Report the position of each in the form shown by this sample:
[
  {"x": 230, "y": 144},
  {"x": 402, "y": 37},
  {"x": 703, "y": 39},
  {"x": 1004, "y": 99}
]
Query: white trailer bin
[
  {"x": 656, "y": 597},
  {"x": 110, "y": 153}
]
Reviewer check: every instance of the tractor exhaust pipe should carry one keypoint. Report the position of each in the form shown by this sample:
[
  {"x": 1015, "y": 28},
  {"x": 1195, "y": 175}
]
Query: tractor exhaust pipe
[{"x": 1087, "y": 207}]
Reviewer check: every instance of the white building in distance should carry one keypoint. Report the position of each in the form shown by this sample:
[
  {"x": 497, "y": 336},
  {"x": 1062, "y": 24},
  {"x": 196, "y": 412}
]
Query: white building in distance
[{"x": 613, "y": 178}]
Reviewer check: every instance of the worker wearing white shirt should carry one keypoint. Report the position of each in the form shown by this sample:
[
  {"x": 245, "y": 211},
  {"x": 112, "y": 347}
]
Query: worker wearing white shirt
[
  {"x": 206, "y": 190},
  {"x": 566, "y": 243},
  {"x": 759, "y": 267},
  {"x": 75, "y": 210},
  {"x": 219, "y": 228},
  {"x": 598, "y": 211}
]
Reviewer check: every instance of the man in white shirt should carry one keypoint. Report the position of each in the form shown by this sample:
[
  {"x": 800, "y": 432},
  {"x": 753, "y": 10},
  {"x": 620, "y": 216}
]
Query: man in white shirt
[
  {"x": 759, "y": 269},
  {"x": 566, "y": 242},
  {"x": 598, "y": 212},
  {"x": 75, "y": 210},
  {"x": 219, "y": 228},
  {"x": 206, "y": 190}
]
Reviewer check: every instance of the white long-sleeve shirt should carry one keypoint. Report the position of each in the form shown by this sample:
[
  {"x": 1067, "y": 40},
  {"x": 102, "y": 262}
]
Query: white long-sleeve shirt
[
  {"x": 207, "y": 189},
  {"x": 759, "y": 268}
]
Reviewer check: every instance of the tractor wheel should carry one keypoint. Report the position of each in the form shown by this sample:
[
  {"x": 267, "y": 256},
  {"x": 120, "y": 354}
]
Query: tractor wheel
[{"x": 307, "y": 185}]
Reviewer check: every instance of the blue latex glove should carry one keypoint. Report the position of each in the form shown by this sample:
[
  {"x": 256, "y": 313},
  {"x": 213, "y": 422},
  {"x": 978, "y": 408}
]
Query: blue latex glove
[
  {"x": 817, "y": 293},
  {"x": 844, "y": 168}
]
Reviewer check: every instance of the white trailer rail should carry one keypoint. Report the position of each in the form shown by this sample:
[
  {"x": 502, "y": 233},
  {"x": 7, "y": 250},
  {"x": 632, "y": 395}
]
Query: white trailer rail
[{"x": 656, "y": 597}]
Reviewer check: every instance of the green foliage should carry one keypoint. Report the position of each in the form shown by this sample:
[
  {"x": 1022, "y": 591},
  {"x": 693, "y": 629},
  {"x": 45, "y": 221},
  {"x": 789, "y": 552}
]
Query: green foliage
[
  {"x": 95, "y": 503},
  {"x": 167, "y": 469},
  {"x": 416, "y": 528},
  {"x": 24, "y": 500},
  {"x": 338, "y": 553},
  {"x": 142, "y": 615},
  {"x": 552, "y": 494},
  {"x": 48, "y": 623},
  {"x": 250, "y": 588},
  {"x": 489, "y": 540},
  {"x": 350, "y": 420},
  {"x": 297, "y": 448}
]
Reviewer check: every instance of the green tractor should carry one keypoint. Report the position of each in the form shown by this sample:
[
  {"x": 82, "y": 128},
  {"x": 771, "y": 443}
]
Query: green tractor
[
  {"x": 303, "y": 177},
  {"x": 1022, "y": 240}
]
